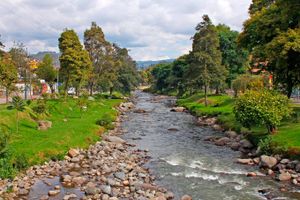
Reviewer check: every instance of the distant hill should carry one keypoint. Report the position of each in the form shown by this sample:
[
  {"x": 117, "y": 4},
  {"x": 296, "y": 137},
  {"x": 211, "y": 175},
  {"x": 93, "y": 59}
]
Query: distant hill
[
  {"x": 40, "y": 55},
  {"x": 148, "y": 63}
]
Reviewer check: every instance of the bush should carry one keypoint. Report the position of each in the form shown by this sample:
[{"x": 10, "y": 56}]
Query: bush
[
  {"x": 106, "y": 122},
  {"x": 20, "y": 162},
  {"x": 4, "y": 137},
  {"x": 264, "y": 107},
  {"x": 6, "y": 168},
  {"x": 40, "y": 107},
  {"x": 247, "y": 82},
  {"x": 268, "y": 146}
]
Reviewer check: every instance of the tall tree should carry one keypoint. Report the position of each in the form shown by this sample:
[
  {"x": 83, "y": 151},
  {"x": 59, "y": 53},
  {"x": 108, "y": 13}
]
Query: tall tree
[
  {"x": 234, "y": 58},
  {"x": 47, "y": 71},
  {"x": 127, "y": 75},
  {"x": 99, "y": 51},
  {"x": 206, "y": 68},
  {"x": 19, "y": 56},
  {"x": 8, "y": 74},
  {"x": 75, "y": 64},
  {"x": 272, "y": 34}
]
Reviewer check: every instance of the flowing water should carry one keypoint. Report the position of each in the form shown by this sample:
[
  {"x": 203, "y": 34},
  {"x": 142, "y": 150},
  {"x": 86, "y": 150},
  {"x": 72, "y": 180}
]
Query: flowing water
[{"x": 184, "y": 163}]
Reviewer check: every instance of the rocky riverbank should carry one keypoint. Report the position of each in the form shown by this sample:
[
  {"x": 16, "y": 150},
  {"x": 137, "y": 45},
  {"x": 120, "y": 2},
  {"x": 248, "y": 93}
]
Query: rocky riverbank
[
  {"x": 107, "y": 170},
  {"x": 276, "y": 166}
]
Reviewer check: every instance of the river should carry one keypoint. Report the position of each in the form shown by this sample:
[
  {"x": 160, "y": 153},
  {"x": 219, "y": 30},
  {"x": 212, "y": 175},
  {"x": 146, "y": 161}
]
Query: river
[{"x": 184, "y": 163}]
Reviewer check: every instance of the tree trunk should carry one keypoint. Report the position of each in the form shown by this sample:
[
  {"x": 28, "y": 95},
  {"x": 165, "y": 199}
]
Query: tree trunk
[
  {"x": 205, "y": 93},
  {"x": 91, "y": 89},
  {"x": 17, "y": 121},
  {"x": 110, "y": 91},
  {"x": 289, "y": 89},
  {"x": 217, "y": 90},
  {"x": 6, "y": 95}
]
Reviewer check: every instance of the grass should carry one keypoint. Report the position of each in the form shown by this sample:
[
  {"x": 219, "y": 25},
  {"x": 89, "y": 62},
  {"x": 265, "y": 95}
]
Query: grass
[
  {"x": 68, "y": 128},
  {"x": 221, "y": 106}
]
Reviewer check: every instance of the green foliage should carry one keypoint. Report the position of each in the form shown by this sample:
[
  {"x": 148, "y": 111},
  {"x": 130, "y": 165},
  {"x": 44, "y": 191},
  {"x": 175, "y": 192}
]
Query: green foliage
[
  {"x": 41, "y": 107},
  {"x": 75, "y": 64},
  {"x": 269, "y": 146},
  {"x": 6, "y": 168},
  {"x": 261, "y": 107},
  {"x": 106, "y": 121},
  {"x": 272, "y": 34},
  {"x": 46, "y": 71},
  {"x": 8, "y": 74},
  {"x": 4, "y": 139},
  {"x": 234, "y": 58},
  {"x": 247, "y": 82}
]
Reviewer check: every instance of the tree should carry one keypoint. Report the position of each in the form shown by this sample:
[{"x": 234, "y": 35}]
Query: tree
[
  {"x": 75, "y": 64},
  {"x": 99, "y": 50},
  {"x": 262, "y": 107},
  {"x": 19, "y": 105},
  {"x": 8, "y": 74},
  {"x": 234, "y": 58},
  {"x": 274, "y": 25},
  {"x": 46, "y": 71},
  {"x": 127, "y": 75},
  {"x": 206, "y": 67},
  {"x": 20, "y": 58}
]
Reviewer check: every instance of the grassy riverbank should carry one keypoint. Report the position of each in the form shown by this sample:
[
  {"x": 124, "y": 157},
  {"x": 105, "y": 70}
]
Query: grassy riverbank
[
  {"x": 69, "y": 128},
  {"x": 221, "y": 106}
]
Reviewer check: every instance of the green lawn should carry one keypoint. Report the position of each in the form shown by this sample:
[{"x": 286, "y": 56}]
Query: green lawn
[
  {"x": 68, "y": 128},
  {"x": 222, "y": 106}
]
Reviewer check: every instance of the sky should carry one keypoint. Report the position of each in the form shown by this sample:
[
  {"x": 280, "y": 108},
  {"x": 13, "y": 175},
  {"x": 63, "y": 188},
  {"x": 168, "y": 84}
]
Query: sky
[{"x": 150, "y": 29}]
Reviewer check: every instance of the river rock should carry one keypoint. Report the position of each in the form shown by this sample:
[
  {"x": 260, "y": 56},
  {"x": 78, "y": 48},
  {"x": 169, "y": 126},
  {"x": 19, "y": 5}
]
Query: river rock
[
  {"x": 139, "y": 111},
  {"x": 284, "y": 161},
  {"x": 251, "y": 174},
  {"x": 70, "y": 196},
  {"x": 120, "y": 175},
  {"x": 73, "y": 152},
  {"x": 114, "y": 139},
  {"x": 91, "y": 189},
  {"x": 53, "y": 192},
  {"x": 222, "y": 141},
  {"x": 23, "y": 192},
  {"x": 178, "y": 109},
  {"x": 217, "y": 127},
  {"x": 246, "y": 144},
  {"x": 267, "y": 161},
  {"x": 106, "y": 189},
  {"x": 231, "y": 134},
  {"x": 247, "y": 161},
  {"x": 235, "y": 146},
  {"x": 285, "y": 176},
  {"x": 186, "y": 197},
  {"x": 297, "y": 167}
]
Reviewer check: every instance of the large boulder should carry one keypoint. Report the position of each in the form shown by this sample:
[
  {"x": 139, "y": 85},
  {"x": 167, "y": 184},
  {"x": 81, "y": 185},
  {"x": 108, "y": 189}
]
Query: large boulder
[{"x": 267, "y": 161}]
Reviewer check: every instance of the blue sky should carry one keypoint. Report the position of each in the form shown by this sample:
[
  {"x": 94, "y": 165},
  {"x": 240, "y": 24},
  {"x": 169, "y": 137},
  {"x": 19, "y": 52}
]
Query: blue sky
[{"x": 151, "y": 29}]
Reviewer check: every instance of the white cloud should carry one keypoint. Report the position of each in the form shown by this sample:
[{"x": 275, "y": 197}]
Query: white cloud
[{"x": 151, "y": 29}]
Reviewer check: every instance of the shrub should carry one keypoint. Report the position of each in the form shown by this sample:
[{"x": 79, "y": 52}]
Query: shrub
[
  {"x": 6, "y": 168},
  {"x": 247, "y": 82},
  {"x": 263, "y": 107},
  {"x": 106, "y": 122},
  {"x": 40, "y": 107},
  {"x": 20, "y": 162},
  {"x": 268, "y": 146}
]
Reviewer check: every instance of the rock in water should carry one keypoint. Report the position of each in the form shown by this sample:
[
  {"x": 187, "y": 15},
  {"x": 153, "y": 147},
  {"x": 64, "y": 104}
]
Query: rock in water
[
  {"x": 186, "y": 197},
  {"x": 178, "y": 109},
  {"x": 285, "y": 176}
]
